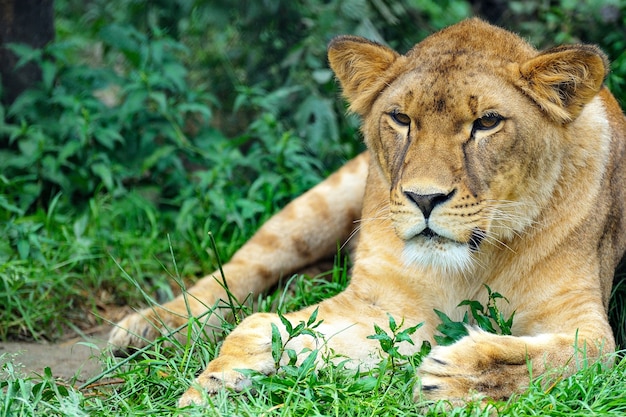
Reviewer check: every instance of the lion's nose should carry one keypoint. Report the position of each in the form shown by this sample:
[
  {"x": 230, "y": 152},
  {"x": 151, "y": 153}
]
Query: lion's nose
[{"x": 427, "y": 202}]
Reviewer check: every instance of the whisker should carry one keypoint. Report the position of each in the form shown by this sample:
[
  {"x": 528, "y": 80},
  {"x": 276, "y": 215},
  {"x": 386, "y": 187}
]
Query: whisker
[
  {"x": 488, "y": 238},
  {"x": 351, "y": 236},
  {"x": 508, "y": 229},
  {"x": 379, "y": 216},
  {"x": 370, "y": 219}
]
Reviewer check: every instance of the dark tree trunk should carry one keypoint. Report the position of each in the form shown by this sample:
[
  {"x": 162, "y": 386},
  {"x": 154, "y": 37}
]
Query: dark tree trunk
[
  {"x": 494, "y": 11},
  {"x": 22, "y": 21}
]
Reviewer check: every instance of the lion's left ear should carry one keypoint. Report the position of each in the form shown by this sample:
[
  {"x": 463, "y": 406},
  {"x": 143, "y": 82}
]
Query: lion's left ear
[
  {"x": 562, "y": 80},
  {"x": 362, "y": 67}
]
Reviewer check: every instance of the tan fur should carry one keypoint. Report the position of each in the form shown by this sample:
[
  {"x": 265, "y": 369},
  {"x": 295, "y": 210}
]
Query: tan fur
[{"x": 491, "y": 163}]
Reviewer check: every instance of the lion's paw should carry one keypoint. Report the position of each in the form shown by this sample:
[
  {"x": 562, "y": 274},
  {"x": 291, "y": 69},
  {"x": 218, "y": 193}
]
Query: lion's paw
[
  {"x": 479, "y": 365},
  {"x": 210, "y": 383},
  {"x": 139, "y": 329}
]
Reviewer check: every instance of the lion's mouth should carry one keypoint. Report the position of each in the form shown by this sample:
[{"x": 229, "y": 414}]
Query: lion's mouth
[
  {"x": 474, "y": 241},
  {"x": 429, "y": 233}
]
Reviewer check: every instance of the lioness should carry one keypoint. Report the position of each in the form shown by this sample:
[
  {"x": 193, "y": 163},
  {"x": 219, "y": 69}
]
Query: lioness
[{"x": 488, "y": 163}]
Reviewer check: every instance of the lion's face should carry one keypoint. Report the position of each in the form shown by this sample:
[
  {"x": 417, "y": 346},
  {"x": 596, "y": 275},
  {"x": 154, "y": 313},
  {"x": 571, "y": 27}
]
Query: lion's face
[
  {"x": 468, "y": 142},
  {"x": 459, "y": 156}
]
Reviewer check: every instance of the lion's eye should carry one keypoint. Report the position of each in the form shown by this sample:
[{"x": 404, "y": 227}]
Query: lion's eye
[
  {"x": 487, "y": 122},
  {"x": 400, "y": 118}
]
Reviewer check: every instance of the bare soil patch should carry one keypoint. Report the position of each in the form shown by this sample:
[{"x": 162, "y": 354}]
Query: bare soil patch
[{"x": 73, "y": 360}]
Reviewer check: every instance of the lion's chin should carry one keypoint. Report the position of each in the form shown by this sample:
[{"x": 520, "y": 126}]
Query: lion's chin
[{"x": 439, "y": 253}]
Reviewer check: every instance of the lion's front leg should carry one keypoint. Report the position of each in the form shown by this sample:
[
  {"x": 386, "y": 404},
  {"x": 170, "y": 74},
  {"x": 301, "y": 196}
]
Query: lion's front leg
[
  {"x": 138, "y": 329},
  {"x": 341, "y": 327},
  {"x": 304, "y": 232},
  {"x": 249, "y": 346},
  {"x": 487, "y": 365}
]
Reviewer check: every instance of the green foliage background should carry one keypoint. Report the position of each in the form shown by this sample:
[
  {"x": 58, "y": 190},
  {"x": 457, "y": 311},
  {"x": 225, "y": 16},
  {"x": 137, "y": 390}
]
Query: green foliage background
[{"x": 158, "y": 122}]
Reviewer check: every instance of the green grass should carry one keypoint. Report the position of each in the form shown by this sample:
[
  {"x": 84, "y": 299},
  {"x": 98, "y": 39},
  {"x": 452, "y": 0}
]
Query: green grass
[
  {"x": 150, "y": 381},
  {"x": 71, "y": 264}
]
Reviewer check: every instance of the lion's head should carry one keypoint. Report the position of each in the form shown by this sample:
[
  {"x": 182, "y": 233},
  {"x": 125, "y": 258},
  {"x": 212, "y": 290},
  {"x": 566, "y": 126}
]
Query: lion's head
[{"x": 473, "y": 131}]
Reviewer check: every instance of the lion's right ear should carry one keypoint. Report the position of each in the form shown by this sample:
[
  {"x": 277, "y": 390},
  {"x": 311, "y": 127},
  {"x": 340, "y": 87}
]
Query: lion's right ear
[
  {"x": 563, "y": 79},
  {"x": 362, "y": 67}
]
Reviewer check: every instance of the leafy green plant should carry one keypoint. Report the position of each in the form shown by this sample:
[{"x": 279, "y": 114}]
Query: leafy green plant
[
  {"x": 395, "y": 365},
  {"x": 67, "y": 136},
  {"x": 279, "y": 346},
  {"x": 488, "y": 318},
  {"x": 389, "y": 342}
]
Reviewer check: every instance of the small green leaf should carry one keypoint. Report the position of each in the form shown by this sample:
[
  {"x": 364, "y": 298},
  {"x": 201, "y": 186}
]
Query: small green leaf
[
  {"x": 25, "y": 53},
  {"x": 392, "y": 323},
  {"x": 48, "y": 74},
  {"x": 196, "y": 108},
  {"x": 286, "y": 323},
  {"x": 308, "y": 332},
  {"x": 159, "y": 154},
  {"x": 404, "y": 337},
  {"x": 297, "y": 330},
  {"x": 277, "y": 344},
  {"x": 104, "y": 173},
  {"x": 451, "y": 331},
  {"x": 69, "y": 149},
  {"x": 293, "y": 356},
  {"x": 312, "y": 317},
  {"x": 107, "y": 137},
  {"x": 378, "y": 337},
  {"x": 365, "y": 384},
  {"x": 308, "y": 364},
  {"x": 23, "y": 248},
  {"x": 425, "y": 349},
  {"x": 485, "y": 323},
  {"x": 80, "y": 225},
  {"x": 160, "y": 99},
  {"x": 133, "y": 103}
]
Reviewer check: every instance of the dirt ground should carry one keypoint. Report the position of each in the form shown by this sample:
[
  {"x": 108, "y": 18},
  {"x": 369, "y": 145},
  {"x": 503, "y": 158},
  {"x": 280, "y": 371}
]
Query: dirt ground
[{"x": 73, "y": 360}]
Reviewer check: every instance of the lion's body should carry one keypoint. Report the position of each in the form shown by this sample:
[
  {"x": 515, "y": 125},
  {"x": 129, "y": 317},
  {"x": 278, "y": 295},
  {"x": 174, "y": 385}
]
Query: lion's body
[{"x": 489, "y": 163}]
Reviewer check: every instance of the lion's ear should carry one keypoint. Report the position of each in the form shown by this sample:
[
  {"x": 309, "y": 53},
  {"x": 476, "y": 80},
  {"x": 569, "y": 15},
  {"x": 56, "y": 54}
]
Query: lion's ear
[
  {"x": 563, "y": 79},
  {"x": 362, "y": 68}
]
